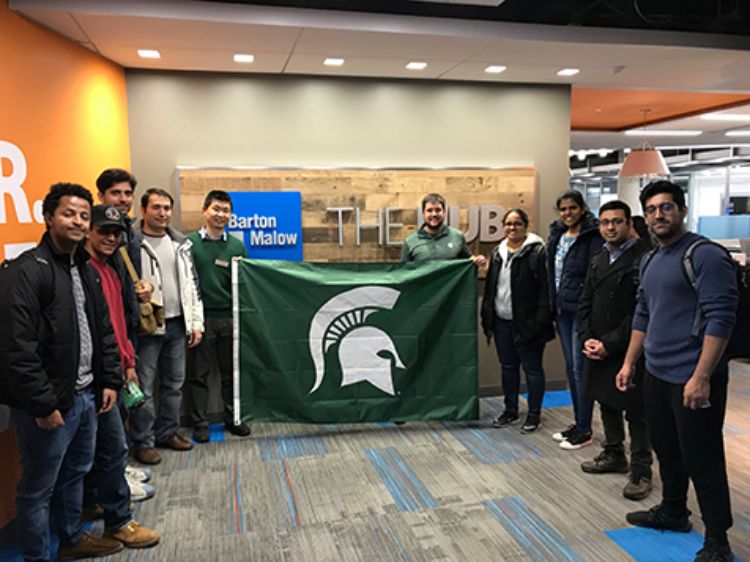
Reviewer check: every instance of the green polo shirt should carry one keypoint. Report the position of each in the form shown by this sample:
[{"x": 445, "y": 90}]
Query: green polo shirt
[
  {"x": 448, "y": 244},
  {"x": 213, "y": 262}
]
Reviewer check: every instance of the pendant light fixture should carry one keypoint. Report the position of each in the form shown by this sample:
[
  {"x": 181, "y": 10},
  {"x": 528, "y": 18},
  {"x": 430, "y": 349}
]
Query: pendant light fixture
[{"x": 645, "y": 160}]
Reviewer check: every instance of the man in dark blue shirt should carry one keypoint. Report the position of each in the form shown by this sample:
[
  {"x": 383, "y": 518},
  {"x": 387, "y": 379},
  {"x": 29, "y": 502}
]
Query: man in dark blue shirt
[{"x": 685, "y": 385}]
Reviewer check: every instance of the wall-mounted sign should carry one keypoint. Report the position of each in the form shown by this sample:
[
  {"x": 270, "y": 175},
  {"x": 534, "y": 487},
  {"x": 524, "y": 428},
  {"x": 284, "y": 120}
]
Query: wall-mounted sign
[{"x": 269, "y": 223}]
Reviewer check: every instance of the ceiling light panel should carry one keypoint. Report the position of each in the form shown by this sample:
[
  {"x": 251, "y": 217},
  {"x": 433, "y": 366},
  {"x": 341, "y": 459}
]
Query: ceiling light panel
[
  {"x": 663, "y": 133},
  {"x": 495, "y": 69},
  {"x": 738, "y": 133},
  {"x": 740, "y": 117},
  {"x": 243, "y": 58},
  {"x": 416, "y": 65},
  {"x": 149, "y": 54},
  {"x": 568, "y": 71},
  {"x": 334, "y": 61}
]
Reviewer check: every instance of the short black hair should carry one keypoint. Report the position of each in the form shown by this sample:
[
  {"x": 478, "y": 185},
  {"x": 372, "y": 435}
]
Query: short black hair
[
  {"x": 155, "y": 191},
  {"x": 616, "y": 205},
  {"x": 58, "y": 191},
  {"x": 573, "y": 194},
  {"x": 663, "y": 186},
  {"x": 113, "y": 176},
  {"x": 217, "y": 195},
  {"x": 433, "y": 198},
  {"x": 521, "y": 213}
]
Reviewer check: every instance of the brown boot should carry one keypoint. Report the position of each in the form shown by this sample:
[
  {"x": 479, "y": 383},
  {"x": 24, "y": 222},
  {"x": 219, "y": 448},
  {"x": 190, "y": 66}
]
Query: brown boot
[
  {"x": 134, "y": 535},
  {"x": 88, "y": 546},
  {"x": 175, "y": 442},
  {"x": 147, "y": 455}
]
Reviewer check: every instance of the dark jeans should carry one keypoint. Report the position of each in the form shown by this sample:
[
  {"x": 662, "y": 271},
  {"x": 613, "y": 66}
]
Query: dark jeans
[
  {"x": 512, "y": 356},
  {"x": 162, "y": 357},
  {"x": 690, "y": 446},
  {"x": 215, "y": 349},
  {"x": 573, "y": 354},
  {"x": 105, "y": 485},
  {"x": 614, "y": 437},
  {"x": 53, "y": 466}
]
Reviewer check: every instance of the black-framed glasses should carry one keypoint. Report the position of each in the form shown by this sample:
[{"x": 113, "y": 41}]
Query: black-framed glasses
[
  {"x": 612, "y": 222},
  {"x": 665, "y": 208},
  {"x": 514, "y": 224}
]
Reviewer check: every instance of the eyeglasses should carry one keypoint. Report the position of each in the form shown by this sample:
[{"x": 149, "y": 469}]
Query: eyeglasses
[
  {"x": 514, "y": 224},
  {"x": 665, "y": 208},
  {"x": 613, "y": 222}
]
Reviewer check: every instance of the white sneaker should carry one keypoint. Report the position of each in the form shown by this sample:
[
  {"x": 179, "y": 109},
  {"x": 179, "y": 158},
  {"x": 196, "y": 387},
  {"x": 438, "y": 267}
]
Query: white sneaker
[
  {"x": 139, "y": 473},
  {"x": 139, "y": 491}
]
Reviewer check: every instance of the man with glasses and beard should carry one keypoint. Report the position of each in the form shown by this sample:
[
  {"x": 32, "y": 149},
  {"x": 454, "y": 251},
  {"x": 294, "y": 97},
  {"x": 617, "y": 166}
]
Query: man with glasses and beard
[{"x": 685, "y": 383}]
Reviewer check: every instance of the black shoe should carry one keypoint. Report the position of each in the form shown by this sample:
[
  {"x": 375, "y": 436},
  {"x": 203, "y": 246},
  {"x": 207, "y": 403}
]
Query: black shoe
[
  {"x": 565, "y": 433},
  {"x": 656, "y": 518},
  {"x": 531, "y": 424},
  {"x": 714, "y": 552},
  {"x": 506, "y": 418},
  {"x": 201, "y": 434},
  {"x": 576, "y": 439},
  {"x": 238, "y": 429},
  {"x": 606, "y": 462},
  {"x": 638, "y": 487}
]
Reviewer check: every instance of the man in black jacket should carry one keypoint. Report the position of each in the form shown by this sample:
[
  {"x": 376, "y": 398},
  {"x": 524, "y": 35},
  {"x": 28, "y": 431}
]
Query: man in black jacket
[
  {"x": 60, "y": 366},
  {"x": 604, "y": 318}
]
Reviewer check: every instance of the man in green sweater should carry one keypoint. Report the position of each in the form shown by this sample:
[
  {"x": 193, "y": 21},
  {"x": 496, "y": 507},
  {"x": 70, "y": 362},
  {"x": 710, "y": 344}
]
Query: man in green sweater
[{"x": 213, "y": 251}]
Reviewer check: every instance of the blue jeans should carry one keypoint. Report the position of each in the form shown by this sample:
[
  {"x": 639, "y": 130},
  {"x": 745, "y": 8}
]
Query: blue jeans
[
  {"x": 573, "y": 354},
  {"x": 105, "y": 485},
  {"x": 53, "y": 466},
  {"x": 512, "y": 356},
  {"x": 165, "y": 356}
]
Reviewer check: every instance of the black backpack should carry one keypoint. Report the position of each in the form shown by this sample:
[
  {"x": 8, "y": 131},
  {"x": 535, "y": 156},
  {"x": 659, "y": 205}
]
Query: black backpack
[{"x": 739, "y": 341}]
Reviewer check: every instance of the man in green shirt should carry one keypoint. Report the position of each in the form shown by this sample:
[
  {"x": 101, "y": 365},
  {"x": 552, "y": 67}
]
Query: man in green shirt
[
  {"x": 435, "y": 240},
  {"x": 213, "y": 251}
]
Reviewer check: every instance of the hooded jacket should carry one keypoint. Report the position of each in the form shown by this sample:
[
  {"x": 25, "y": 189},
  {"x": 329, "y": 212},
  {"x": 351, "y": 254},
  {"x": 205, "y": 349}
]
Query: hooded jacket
[
  {"x": 586, "y": 245},
  {"x": 39, "y": 338},
  {"x": 532, "y": 318},
  {"x": 187, "y": 278}
]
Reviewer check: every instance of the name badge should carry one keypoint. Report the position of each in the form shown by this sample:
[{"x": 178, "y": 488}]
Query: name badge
[{"x": 221, "y": 262}]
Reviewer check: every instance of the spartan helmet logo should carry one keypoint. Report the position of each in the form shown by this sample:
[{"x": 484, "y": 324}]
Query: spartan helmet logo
[{"x": 340, "y": 320}]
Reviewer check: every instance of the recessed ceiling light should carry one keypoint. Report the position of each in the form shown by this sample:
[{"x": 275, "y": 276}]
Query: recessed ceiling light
[
  {"x": 416, "y": 65},
  {"x": 149, "y": 54},
  {"x": 568, "y": 71},
  {"x": 726, "y": 117},
  {"x": 331, "y": 61},
  {"x": 243, "y": 58},
  {"x": 737, "y": 133},
  {"x": 495, "y": 69},
  {"x": 662, "y": 133}
]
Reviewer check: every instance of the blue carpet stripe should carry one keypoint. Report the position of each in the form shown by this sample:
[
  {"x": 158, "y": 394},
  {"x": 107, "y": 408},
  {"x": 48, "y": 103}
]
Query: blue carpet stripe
[
  {"x": 282, "y": 482},
  {"x": 492, "y": 446},
  {"x": 650, "y": 545},
  {"x": 555, "y": 399},
  {"x": 291, "y": 446},
  {"x": 406, "y": 489},
  {"x": 234, "y": 499},
  {"x": 538, "y": 539},
  {"x": 216, "y": 432}
]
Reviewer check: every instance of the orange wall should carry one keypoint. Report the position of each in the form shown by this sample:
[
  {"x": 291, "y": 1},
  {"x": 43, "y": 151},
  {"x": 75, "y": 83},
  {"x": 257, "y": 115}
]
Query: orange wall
[{"x": 64, "y": 110}]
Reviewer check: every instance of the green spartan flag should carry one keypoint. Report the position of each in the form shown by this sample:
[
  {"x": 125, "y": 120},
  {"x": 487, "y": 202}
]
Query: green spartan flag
[{"x": 365, "y": 342}]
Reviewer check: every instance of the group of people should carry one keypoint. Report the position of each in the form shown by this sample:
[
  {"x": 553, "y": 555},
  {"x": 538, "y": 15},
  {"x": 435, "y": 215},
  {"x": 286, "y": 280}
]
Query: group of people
[
  {"x": 73, "y": 335},
  {"x": 638, "y": 335}
]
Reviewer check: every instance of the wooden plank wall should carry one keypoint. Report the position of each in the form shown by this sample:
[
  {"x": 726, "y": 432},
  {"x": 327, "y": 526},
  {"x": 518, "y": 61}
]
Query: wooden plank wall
[{"x": 368, "y": 190}]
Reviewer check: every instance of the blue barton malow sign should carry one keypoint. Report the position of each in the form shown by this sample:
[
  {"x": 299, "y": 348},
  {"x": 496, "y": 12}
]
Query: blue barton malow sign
[{"x": 269, "y": 223}]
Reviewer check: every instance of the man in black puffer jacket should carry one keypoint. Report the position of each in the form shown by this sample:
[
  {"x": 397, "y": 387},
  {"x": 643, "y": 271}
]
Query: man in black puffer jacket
[{"x": 60, "y": 366}]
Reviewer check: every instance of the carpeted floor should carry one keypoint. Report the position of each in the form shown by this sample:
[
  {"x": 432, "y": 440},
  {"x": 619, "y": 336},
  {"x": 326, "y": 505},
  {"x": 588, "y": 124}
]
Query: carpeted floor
[{"x": 421, "y": 491}]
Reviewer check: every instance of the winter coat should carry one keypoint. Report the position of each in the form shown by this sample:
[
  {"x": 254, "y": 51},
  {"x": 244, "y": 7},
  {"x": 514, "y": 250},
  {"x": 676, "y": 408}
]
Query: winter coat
[
  {"x": 39, "y": 337},
  {"x": 606, "y": 314},
  {"x": 187, "y": 278},
  {"x": 532, "y": 318},
  {"x": 588, "y": 243}
]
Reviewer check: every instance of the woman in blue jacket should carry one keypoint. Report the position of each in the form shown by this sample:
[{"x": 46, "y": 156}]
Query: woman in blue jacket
[{"x": 573, "y": 240}]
